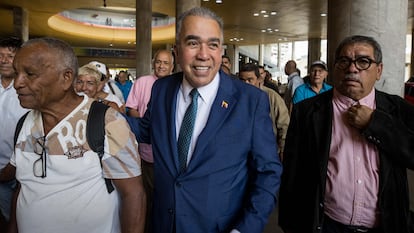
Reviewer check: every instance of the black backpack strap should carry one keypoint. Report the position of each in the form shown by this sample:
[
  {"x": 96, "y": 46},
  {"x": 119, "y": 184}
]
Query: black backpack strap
[
  {"x": 95, "y": 133},
  {"x": 19, "y": 126}
]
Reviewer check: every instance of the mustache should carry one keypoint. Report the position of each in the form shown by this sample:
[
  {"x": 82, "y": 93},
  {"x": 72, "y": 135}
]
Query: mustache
[{"x": 352, "y": 77}]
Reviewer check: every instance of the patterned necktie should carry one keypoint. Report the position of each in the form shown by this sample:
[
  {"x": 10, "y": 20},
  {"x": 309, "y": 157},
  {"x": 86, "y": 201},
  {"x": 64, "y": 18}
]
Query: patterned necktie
[{"x": 186, "y": 130}]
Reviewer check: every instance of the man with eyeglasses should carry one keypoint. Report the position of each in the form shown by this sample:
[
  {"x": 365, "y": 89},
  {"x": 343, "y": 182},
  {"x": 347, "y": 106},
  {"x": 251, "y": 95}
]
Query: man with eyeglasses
[
  {"x": 11, "y": 111},
  {"x": 347, "y": 151},
  {"x": 61, "y": 180}
]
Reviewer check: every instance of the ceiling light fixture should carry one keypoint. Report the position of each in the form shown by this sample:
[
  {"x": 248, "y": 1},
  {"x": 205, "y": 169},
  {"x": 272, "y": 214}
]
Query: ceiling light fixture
[
  {"x": 235, "y": 39},
  {"x": 270, "y": 30},
  {"x": 219, "y": 1},
  {"x": 264, "y": 13}
]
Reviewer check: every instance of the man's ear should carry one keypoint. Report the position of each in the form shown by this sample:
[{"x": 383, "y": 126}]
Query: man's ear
[
  {"x": 379, "y": 71},
  {"x": 68, "y": 78}
]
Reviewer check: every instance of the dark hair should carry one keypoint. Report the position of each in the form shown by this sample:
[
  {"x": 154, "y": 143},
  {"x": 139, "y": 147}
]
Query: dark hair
[
  {"x": 225, "y": 56},
  {"x": 360, "y": 39},
  {"x": 13, "y": 43},
  {"x": 247, "y": 67}
]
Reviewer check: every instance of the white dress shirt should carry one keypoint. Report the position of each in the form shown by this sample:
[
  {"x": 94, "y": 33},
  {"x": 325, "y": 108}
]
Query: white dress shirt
[{"x": 205, "y": 101}]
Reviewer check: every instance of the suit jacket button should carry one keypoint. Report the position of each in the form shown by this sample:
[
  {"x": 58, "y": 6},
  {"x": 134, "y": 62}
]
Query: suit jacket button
[{"x": 170, "y": 211}]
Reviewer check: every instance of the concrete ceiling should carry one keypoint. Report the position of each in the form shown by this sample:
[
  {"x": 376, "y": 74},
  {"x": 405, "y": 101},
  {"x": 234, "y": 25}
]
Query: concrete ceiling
[{"x": 295, "y": 19}]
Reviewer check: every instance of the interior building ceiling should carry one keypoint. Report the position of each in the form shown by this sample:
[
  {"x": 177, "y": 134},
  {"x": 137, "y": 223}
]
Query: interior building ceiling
[{"x": 275, "y": 20}]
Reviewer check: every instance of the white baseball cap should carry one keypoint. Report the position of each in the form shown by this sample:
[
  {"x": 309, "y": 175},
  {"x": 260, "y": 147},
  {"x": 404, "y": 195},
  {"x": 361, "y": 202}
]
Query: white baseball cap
[{"x": 100, "y": 66}]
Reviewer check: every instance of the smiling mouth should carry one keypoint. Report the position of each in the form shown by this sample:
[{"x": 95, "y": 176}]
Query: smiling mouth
[{"x": 201, "y": 68}]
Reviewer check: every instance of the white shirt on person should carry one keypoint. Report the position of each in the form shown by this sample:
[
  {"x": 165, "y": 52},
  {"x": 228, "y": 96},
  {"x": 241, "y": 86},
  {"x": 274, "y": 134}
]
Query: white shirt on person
[
  {"x": 11, "y": 111},
  {"x": 205, "y": 102},
  {"x": 73, "y": 196}
]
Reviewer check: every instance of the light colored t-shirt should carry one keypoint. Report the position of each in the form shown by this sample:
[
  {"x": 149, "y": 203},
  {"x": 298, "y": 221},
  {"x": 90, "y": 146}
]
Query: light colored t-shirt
[
  {"x": 73, "y": 195},
  {"x": 11, "y": 111},
  {"x": 113, "y": 98}
]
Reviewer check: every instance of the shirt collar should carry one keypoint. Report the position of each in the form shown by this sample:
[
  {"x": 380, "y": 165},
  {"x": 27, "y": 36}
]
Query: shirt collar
[
  {"x": 207, "y": 92},
  {"x": 368, "y": 100}
]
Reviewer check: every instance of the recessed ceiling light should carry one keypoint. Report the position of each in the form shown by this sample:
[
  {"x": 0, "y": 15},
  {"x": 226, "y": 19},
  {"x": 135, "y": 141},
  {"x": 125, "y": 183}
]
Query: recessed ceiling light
[
  {"x": 263, "y": 30},
  {"x": 323, "y": 14},
  {"x": 263, "y": 11},
  {"x": 273, "y": 13},
  {"x": 256, "y": 14},
  {"x": 265, "y": 15},
  {"x": 219, "y": 1}
]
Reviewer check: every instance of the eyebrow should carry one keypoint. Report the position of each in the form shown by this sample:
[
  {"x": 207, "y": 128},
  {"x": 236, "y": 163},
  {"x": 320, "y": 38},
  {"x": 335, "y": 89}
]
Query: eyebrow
[{"x": 193, "y": 37}]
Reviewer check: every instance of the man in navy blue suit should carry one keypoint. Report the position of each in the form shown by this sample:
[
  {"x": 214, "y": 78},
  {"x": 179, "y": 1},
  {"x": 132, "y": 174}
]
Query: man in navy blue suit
[{"x": 231, "y": 171}]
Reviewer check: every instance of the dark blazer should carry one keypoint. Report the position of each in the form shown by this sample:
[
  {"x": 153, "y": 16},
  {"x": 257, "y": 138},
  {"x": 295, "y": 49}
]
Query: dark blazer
[
  {"x": 234, "y": 174},
  {"x": 302, "y": 191}
]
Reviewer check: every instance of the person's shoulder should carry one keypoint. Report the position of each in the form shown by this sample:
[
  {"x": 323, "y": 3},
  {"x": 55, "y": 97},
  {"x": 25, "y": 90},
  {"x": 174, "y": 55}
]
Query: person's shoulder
[
  {"x": 269, "y": 91},
  {"x": 168, "y": 81},
  {"x": 327, "y": 86},
  {"x": 384, "y": 97},
  {"x": 145, "y": 77},
  {"x": 302, "y": 87},
  {"x": 317, "y": 100}
]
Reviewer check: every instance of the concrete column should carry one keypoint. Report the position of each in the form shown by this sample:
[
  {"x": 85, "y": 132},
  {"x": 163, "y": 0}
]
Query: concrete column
[
  {"x": 384, "y": 20},
  {"x": 143, "y": 37},
  {"x": 261, "y": 54},
  {"x": 231, "y": 53},
  {"x": 21, "y": 23},
  {"x": 236, "y": 62},
  {"x": 314, "y": 50}
]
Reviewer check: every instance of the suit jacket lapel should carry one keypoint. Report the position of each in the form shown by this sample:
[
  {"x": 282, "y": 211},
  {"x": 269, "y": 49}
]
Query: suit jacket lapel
[
  {"x": 223, "y": 104},
  {"x": 171, "y": 106},
  {"x": 322, "y": 114},
  {"x": 382, "y": 104}
]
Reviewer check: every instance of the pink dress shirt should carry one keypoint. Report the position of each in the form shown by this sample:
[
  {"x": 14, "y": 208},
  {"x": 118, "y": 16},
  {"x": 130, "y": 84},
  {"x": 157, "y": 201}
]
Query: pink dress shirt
[
  {"x": 352, "y": 182},
  {"x": 138, "y": 99}
]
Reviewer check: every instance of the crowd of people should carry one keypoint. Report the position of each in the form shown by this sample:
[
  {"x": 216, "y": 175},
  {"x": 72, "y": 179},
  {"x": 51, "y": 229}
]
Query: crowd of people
[{"x": 201, "y": 150}]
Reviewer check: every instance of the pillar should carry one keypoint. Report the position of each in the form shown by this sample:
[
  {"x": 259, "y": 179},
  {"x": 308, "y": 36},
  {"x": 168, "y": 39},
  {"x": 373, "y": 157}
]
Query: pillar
[
  {"x": 314, "y": 50},
  {"x": 384, "y": 20},
  {"x": 231, "y": 53},
  {"x": 143, "y": 37},
  {"x": 21, "y": 23},
  {"x": 261, "y": 54}
]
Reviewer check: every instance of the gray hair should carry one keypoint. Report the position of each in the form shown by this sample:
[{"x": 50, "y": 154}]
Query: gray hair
[
  {"x": 360, "y": 39},
  {"x": 201, "y": 12},
  {"x": 67, "y": 57}
]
